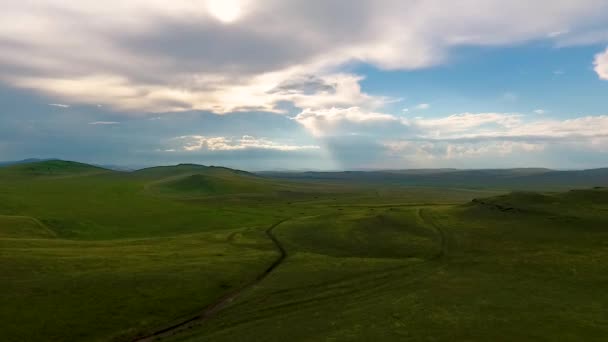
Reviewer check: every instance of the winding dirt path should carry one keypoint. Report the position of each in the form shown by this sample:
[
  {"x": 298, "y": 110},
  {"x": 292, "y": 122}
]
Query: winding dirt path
[{"x": 220, "y": 303}]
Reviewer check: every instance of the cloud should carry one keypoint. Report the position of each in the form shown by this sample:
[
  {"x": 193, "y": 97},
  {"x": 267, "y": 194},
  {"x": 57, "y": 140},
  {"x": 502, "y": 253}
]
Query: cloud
[
  {"x": 104, "y": 123},
  {"x": 153, "y": 56},
  {"x": 440, "y": 150},
  {"x": 262, "y": 93},
  {"x": 463, "y": 126},
  {"x": 540, "y": 111},
  {"x": 587, "y": 37},
  {"x": 465, "y": 123},
  {"x": 341, "y": 121},
  {"x": 59, "y": 105},
  {"x": 191, "y": 143},
  {"x": 601, "y": 65},
  {"x": 423, "y": 106},
  {"x": 465, "y": 135},
  {"x": 510, "y": 142}
]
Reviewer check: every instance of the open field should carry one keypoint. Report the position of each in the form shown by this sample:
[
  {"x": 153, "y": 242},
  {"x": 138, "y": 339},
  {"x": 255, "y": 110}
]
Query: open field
[{"x": 89, "y": 254}]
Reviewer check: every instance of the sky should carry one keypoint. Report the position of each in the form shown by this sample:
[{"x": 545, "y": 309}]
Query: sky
[{"x": 306, "y": 84}]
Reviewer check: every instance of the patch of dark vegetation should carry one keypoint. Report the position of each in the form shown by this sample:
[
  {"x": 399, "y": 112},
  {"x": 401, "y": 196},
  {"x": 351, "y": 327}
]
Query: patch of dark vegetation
[{"x": 494, "y": 205}]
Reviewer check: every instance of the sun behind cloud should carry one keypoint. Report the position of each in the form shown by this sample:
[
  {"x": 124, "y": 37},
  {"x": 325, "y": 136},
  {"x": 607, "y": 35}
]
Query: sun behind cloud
[{"x": 226, "y": 11}]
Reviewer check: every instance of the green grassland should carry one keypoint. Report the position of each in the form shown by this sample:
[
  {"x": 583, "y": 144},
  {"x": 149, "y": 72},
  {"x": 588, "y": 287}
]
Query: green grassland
[
  {"x": 469, "y": 272},
  {"x": 88, "y": 254}
]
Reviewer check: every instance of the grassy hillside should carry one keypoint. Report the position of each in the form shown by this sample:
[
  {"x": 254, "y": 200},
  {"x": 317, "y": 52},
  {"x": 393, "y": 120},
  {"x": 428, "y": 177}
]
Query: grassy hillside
[
  {"x": 99, "y": 258},
  {"x": 197, "y": 180},
  {"x": 23, "y": 227},
  {"x": 62, "y": 290},
  {"x": 473, "y": 272},
  {"x": 109, "y": 256},
  {"x": 50, "y": 168}
]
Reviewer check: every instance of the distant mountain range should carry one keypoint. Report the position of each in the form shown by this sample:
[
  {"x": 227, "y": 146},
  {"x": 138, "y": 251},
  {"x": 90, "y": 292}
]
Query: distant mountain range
[{"x": 517, "y": 178}]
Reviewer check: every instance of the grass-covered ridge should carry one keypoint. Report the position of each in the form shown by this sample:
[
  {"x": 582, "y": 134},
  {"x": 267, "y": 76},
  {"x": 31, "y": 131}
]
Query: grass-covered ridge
[
  {"x": 51, "y": 168},
  {"x": 192, "y": 180}
]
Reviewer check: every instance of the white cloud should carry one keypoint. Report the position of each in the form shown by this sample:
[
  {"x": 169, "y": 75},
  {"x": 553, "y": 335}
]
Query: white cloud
[
  {"x": 191, "y": 143},
  {"x": 104, "y": 123},
  {"x": 540, "y": 111},
  {"x": 463, "y": 126},
  {"x": 459, "y": 136},
  {"x": 432, "y": 150},
  {"x": 260, "y": 93},
  {"x": 332, "y": 121},
  {"x": 59, "y": 105},
  {"x": 601, "y": 65},
  {"x": 155, "y": 56},
  {"x": 423, "y": 106},
  {"x": 465, "y": 123}
]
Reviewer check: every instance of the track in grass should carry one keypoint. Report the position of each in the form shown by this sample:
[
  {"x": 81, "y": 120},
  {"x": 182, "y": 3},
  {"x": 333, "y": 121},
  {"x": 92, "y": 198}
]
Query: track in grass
[
  {"x": 442, "y": 237},
  {"x": 215, "y": 307}
]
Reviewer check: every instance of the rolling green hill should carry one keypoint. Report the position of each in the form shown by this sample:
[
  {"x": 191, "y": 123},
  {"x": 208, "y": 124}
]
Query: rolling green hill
[
  {"x": 193, "y": 180},
  {"x": 50, "y": 168},
  {"x": 471, "y": 272}
]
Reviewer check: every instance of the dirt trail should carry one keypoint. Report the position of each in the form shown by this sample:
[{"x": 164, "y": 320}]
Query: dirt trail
[{"x": 219, "y": 304}]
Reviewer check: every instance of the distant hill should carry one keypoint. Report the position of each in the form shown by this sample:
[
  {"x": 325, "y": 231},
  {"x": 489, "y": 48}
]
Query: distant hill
[
  {"x": 581, "y": 202},
  {"x": 50, "y": 168},
  {"x": 184, "y": 169},
  {"x": 24, "y": 161},
  {"x": 521, "y": 178},
  {"x": 212, "y": 179},
  {"x": 192, "y": 179}
]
